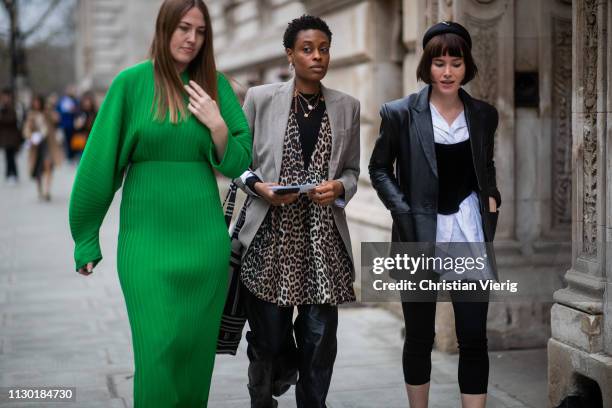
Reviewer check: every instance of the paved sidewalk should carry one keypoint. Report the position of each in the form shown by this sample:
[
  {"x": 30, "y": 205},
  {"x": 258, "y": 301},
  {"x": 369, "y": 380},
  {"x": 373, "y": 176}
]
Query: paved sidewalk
[{"x": 59, "y": 328}]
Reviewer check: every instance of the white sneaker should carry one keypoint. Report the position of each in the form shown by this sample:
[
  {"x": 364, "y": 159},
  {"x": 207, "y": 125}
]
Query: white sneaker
[{"x": 11, "y": 181}]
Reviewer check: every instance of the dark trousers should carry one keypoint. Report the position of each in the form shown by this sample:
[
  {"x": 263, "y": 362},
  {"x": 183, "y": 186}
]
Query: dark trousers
[
  {"x": 11, "y": 164},
  {"x": 275, "y": 358},
  {"x": 471, "y": 329}
]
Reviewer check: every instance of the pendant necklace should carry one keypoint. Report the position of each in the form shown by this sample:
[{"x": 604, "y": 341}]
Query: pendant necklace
[
  {"x": 301, "y": 99},
  {"x": 307, "y": 100}
]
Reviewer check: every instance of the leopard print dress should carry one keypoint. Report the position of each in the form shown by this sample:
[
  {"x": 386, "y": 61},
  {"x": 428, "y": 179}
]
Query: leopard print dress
[{"x": 298, "y": 256}]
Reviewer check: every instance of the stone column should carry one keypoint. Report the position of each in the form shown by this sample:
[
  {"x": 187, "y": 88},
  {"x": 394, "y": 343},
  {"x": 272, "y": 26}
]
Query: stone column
[
  {"x": 555, "y": 161},
  {"x": 580, "y": 349}
]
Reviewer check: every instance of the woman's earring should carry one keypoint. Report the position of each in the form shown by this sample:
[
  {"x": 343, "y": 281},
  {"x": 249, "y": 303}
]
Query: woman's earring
[{"x": 291, "y": 66}]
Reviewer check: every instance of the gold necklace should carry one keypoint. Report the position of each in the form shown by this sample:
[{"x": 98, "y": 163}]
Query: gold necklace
[
  {"x": 307, "y": 100},
  {"x": 299, "y": 98},
  {"x": 310, "y": 108}
]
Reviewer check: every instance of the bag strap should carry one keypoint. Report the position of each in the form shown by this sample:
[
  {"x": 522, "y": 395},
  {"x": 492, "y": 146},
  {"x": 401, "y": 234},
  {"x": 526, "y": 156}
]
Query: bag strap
[
  {"x": 241, "y": 218},
  {"x": 229, "y": 203}
]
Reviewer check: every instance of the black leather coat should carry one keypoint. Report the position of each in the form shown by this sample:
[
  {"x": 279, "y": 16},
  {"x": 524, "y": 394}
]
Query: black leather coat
[{"x": 403, "y": 166}]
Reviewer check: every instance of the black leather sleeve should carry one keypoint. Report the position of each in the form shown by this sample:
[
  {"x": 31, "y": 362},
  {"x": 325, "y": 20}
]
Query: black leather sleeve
[
  {"x": 382, "y": 163},
  {"x": 492, "y": 190}
]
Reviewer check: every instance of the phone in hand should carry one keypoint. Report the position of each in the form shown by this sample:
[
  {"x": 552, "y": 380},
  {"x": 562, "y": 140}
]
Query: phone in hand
[{"x": 282, "y": 190}]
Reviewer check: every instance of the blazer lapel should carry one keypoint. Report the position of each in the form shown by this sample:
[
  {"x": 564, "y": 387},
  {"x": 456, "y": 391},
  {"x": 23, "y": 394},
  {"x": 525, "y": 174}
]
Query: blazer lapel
[
  {"x": 281, "y": 106},
  {"x": 424, "y": 128},
  {"x": 335, "y": 112}
]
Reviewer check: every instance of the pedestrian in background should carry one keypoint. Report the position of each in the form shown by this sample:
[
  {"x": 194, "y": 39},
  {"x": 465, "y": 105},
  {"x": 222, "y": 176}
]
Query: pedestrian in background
[
  {"x": 172, "y": 120},
  {"x": 54, "y": 121},
  {"x": 83, "y": 122},
  {"x": 10, "y": 136},
  {"x": 432, "y": 166},
  {"x": 297, "y": 247},
  {"x": 39, "y": 130},
  {"x": 67, "y": 107},
  {"x": 50, "y": 107}
]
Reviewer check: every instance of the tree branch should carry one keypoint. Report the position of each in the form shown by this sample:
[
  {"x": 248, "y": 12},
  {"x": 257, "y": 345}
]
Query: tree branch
[
  {"x": 58, "y": 31},
  {"x": 52, "y": 5},
  {"x": 6, "y": 4}
]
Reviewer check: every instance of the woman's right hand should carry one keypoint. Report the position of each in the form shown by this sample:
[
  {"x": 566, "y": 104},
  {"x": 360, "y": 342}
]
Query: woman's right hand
[
  {"x": 87, "y": 270},
  {"x": 265, "y": 192}
]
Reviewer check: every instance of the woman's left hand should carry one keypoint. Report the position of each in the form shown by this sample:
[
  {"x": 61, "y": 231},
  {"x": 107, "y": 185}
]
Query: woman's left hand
[
  {"x": 327, "y": 192},
  {"x": 492, "y": 205},
  {"x": 203, "y": 107}
]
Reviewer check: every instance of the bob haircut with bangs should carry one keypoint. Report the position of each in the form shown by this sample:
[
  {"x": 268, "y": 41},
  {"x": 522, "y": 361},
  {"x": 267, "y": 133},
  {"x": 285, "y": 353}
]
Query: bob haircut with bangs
[{"x": 446, "y": 44}]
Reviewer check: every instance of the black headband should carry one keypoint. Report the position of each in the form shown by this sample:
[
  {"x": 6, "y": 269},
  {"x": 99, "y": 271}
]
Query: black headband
[{"x": 447, "y": 27}]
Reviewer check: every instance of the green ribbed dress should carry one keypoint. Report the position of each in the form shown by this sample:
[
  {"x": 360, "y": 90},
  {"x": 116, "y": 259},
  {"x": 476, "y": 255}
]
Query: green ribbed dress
[{"x": 174, "y": 248}]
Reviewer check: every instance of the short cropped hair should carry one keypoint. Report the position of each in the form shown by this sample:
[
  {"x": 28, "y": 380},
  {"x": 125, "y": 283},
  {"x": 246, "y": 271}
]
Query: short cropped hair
[
  {"x": 446, "y": 44},
  {"x": 304, "y": 22}
]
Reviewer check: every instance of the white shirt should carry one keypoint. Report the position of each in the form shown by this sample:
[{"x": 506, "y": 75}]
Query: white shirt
[{"x": 466, "y": 224}]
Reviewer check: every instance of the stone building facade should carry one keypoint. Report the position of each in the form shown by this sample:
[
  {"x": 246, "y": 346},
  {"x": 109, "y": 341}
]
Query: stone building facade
[
  {"x": 542, "y": 63},
  {"x": 580, "y": 350},
  {"x": 111, "y": 35}
]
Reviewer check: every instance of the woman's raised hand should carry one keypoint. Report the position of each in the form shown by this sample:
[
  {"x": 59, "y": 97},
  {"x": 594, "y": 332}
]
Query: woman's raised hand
[{"x": 203, "y": 107}]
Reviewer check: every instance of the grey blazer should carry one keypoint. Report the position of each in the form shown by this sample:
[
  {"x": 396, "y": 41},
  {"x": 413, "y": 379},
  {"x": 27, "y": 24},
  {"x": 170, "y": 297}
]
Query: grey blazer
[{"x": 267, "y": 110}]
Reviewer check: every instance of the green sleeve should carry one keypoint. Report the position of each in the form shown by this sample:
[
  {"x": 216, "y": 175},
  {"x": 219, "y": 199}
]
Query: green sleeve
[
  {"x": 237, "y": 156},
  {"x": 99, "y": 175}
]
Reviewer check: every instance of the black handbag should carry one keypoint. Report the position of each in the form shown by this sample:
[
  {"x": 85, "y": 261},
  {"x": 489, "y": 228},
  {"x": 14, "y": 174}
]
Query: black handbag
[{"x": 234, "y": 315}]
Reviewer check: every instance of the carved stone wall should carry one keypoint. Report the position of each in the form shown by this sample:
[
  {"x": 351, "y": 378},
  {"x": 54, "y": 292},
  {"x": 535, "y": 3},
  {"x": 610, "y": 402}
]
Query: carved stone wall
[
  {"x": 485, "y": 51},
  {"x": 554, "y": 171},
  {"x": 589, "y": 159},
  {"x": 561, "y": 123}
]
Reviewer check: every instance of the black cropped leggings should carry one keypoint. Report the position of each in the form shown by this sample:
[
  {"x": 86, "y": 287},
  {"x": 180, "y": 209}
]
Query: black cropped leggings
[{"x": 471, "y": 329}]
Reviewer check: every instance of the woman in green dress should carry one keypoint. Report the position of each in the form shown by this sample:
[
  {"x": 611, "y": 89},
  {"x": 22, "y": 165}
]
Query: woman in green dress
[{"x": 166, "y": 124}]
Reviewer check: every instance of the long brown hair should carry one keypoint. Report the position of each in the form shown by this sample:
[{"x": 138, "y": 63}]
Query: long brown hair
[{"x": 169, "y": 92}]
